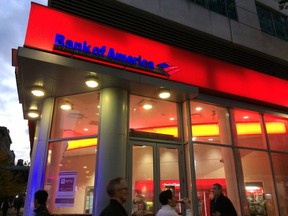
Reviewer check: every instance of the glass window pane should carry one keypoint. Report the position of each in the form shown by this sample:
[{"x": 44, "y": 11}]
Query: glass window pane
[
  {"x": 265, "y": 19},
  {"x": 258, "y": 179},
  {"x": 280, "y": 166},
  {"x": 200, "y": 2},
  {"x": 217, "y": 6},
  {"x": 150, "y": 121},
  {"x": 231, "y": 9},
  {"x": 70, "y": 173},
  {"x": 142, "y": 180},
  {"x": 249, "y": 130},
  {"x": 277, "y": 132},
  {"x": 80, "y": 120},
  {"x": 210, "y": 123},
  {"x": 281, "y": 27},
  {"x": 169, "y": 172},
  {"x": 215, "y": 165}
]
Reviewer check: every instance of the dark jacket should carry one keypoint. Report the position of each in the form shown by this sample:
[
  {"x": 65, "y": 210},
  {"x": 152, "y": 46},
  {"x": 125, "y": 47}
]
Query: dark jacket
[
  {"x": 42, "y": 211},
  {"x": 223, "y": 205},
  {"x": 114, "y": 209}
]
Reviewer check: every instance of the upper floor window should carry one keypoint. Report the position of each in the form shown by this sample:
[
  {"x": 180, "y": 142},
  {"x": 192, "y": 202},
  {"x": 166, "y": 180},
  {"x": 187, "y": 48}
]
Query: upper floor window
[
  {"x": 224, "y": 7},
  {"x": 272, "y": 23}
]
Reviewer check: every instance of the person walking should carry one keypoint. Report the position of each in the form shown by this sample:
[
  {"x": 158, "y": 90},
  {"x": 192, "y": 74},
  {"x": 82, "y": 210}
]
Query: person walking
[
  {"x": 168, "y": 201},
  {"x": 117, "y": 190},
  {"x": 5, "y": 206},
  {"x": 221, "y": 205},
  {"x": 18, "y": 202},
  {"x": 40, "y": 199}
]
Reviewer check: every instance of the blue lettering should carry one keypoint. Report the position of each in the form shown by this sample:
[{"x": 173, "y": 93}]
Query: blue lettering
[
  {"x": 78, "y": 46},
  {"x": 69, "y": 44},
  {"x": 120, "y": 57},
  {"x": 102, "y": 51},
  {"x": 59, "y": 40},
  {"x": 96, "y": 51},
  {"x": 143, "y": 63},
  {"x": 139, "y": 60},
  {"x": 151, "y": 65},
  {"x": 130, "y": 60},
  {"x": 111, "y": 53},
  {"x": 86, "y": 49}
]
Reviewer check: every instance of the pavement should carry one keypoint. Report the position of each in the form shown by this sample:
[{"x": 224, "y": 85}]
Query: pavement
[{"x": 12, "y": 212}]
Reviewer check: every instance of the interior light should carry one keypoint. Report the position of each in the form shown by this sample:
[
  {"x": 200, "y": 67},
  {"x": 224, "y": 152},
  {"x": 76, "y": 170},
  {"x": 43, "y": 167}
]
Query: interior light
[
  {"x": 171, "y": 119},
  {"x": 147, "y": 106},
  {"x": 92, "y": 81},
  {"x": 66, "y": 106},
  {"x": 164, "y": 93},
  {"x": 245, "y": 117},
  {"x": 198, "y": 108},
  {"x": 33, "y": 114},
  {"x": 38, "y": 91}
]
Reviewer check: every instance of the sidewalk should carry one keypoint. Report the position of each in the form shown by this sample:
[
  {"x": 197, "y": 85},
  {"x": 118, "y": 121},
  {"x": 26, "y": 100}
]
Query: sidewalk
[{"x": 12, "y": 212}]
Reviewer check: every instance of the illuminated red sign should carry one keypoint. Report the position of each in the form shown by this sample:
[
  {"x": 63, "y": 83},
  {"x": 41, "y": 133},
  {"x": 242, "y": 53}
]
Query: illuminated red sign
[{"x": 181, "y": 65}]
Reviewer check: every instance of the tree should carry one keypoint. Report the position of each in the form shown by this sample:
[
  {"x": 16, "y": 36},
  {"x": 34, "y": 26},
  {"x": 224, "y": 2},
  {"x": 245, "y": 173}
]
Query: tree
[
  {"x": 283, "y": 4},
  {"x": 13, "y": 179}
]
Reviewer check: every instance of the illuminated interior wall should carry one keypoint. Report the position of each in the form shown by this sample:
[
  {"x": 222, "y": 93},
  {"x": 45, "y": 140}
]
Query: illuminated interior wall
[{"x": 80, "y": 160}]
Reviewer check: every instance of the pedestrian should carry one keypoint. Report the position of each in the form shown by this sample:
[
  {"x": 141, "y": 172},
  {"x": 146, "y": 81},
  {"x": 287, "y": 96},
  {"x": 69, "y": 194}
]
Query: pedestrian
[
  {"x": 221, "y": 205},
  {"x": 40, "y": 199},
  {"x": 117, "y": 190},
  {"x": 18, "y": 202},
  {"x": 5, "y": 206},
  {"x": 169, "y": 202}
]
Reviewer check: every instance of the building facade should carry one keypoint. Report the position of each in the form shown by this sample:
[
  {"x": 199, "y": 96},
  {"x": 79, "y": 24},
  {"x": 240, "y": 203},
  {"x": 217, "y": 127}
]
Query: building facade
[{"x": 223, "y": 64}]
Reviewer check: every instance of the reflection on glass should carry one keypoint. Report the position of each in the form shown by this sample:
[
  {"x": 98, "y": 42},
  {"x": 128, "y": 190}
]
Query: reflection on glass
[
  {"x": 142, "y": 180},
  {"x": 81, "y": 120},
  {"x": 259, "y": 183},
  {"x": 249, "y": 129},
  {"x": 169, "y": 172},
  {"x": 280, "y": 167},
  {"x": 214, "y": 165},
  {"x": 277, "y": 131},
  {"x": 161, "y": 118},
  {"x": 209, "y": 123},
  {"x": 69, "y": 174}
]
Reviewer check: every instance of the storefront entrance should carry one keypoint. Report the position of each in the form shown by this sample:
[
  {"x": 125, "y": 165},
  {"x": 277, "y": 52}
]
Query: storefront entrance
[{"x": 155, "y": 167}]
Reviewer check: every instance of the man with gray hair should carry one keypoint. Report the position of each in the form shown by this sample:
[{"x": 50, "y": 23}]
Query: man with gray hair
[{"x": 117, "y": 189}]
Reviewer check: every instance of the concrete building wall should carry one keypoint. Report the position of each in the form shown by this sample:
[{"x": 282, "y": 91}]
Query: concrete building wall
[{"x": 245, "y": 32}]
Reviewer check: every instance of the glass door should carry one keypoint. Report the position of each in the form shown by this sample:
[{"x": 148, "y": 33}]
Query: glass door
[{"x": 155, "y": 167}]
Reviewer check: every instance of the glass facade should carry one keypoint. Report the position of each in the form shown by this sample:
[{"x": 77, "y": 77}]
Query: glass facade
[
  {"x": 272, "y": 22},
  {"x": 81, "y": 120},
  {"x": 237, "y": 148},
  {"x": 223, "y": 7},
  {"x": 153, "y": 118},
  {"x": 71, "y": 159},
  {"x": 248, "y": 129}
]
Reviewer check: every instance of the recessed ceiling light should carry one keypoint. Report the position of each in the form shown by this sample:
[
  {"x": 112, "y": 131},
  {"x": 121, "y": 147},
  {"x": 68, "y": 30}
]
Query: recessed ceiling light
[
  {"x": 92, "y": 81},
  {"x": 33, "y": 114},
  {"x": 66, "y": 105},
  {"x": 245, "y": 117},
  {"x": 172, "y": 119},
  {"x": 164, "y": 93},
  {"x": 198, "y": 108},
  {"x": 147, "y": 106},
  {"x": 38, "y": 91}
]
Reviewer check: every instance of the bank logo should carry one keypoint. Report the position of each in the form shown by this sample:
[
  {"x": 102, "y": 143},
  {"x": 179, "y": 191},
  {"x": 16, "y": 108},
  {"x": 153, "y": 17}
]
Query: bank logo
[
  {"x": 104, "y": 53},
  {"x": 168, "y": 68}
]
